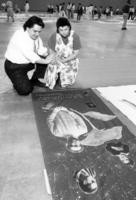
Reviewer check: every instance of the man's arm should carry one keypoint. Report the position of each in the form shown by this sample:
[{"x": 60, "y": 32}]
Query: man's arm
[{"x": 47, "y": 60}]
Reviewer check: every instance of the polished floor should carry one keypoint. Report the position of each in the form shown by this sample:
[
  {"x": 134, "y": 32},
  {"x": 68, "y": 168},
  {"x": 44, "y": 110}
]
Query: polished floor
[{"x": 107, "y": 58}]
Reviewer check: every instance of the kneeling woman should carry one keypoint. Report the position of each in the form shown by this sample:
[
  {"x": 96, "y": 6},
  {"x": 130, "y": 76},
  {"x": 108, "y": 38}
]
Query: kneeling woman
[{"x": 65, "y": 45}]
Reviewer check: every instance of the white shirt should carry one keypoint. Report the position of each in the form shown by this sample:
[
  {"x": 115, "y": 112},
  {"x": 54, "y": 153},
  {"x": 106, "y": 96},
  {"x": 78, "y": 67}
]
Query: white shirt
[{"x": 20, "y": 49}]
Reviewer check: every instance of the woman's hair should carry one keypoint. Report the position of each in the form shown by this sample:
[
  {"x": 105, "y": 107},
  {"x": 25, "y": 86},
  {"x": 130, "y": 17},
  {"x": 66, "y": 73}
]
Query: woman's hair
[
  {"x": 32, "y": 21},
  {"x": 62, "y": 21}
]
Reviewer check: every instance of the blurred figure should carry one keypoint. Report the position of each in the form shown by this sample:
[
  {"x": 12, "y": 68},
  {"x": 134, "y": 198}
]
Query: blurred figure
[
  {"x": 99, "y": 11},
  {"x": 117, "y": 11},
  {"x": 69, "y": 7},
  {"x": 125, "y": 10},
  {"x": 3, "y": 6},
  {"x": 27, "y": 7},
  {"x": 107, "y": 11},
  {"x": 111, "y": 11},
  {"x": 10, "y": 11},
  {"x": 62, "y": 12},
  {"x": 131, "y": 13},
  {"x": 52, "y": 9},
  {"x": 134, "y": 13},
  {"x": 91, "y": 11},
  {"x": 79, "y": 11},
  {"x": 73, "y": 10},
  {"x": 95, "y": 11},
  {"x": 17, "y": 9}
]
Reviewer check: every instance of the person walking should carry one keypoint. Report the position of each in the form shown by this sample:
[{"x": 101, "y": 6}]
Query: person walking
[
  {"x": 125, "y": 10},
  {"x": 24, "y": 53}
]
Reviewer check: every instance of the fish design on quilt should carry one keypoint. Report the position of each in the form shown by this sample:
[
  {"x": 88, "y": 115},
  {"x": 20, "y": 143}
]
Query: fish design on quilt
[{"x": 67, "y": 122}]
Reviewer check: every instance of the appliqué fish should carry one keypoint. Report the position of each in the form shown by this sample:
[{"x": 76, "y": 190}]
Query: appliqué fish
[{"x": 66, "y": 123}]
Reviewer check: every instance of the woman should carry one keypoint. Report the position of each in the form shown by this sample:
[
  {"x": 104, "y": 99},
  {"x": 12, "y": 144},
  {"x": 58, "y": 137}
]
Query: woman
[{"x": 64, "y": 44}]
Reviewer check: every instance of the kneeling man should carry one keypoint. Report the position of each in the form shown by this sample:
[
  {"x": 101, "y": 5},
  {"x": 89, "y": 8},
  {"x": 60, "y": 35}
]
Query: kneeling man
[{"x": 24, "y": 53}]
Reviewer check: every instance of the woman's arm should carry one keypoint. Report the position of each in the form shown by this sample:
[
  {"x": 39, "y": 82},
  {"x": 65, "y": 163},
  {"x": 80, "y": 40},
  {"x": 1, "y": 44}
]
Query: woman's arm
[{"x": 71, "y": 57}]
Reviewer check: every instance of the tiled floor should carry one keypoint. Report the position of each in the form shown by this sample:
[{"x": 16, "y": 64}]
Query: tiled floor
[{"x": 107, "y": 58}]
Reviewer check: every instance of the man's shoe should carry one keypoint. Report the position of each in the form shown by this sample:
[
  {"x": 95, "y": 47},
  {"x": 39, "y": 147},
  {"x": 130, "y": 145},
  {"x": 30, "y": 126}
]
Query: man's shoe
[
  {"x": 124, "y": 28},
  {"x": 38, "y": 83}
]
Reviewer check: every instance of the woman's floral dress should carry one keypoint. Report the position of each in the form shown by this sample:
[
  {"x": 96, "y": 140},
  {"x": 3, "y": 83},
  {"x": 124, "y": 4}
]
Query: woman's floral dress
[{"x": 68, "y": 71}]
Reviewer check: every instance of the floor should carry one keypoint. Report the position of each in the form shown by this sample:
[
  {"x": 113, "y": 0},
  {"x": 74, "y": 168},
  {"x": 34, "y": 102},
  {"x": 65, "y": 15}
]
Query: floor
[{"x": 107, "y": 58}]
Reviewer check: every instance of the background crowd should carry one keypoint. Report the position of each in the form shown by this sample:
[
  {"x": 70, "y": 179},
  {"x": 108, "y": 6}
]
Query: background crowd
[{"x": 70, "y": 10}]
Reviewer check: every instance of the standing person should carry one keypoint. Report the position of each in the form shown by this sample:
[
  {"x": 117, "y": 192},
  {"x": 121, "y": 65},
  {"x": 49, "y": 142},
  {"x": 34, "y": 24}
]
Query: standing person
[
  {"x": 125, "y": 10},
  {"x": 90, "y": 11},
  {"x": 73, "y": 10},
  {"x": 62, "y": 11},
  {"x": 69, "y": 7},
  {"x": 134, "y": 12},
  {"x": 10, "y": 11},
  {"x": 24, "y": 53},
  {"x": 17, "y": 9},
  {"x": 27, "y": 8},
  {"x": 79, "y": 11},
  {"x": 99, "y": 12},
  {"x": 60, "y": 6},
  {"x": 131, "y": 13},
  {"x": 65, "y": 45}
]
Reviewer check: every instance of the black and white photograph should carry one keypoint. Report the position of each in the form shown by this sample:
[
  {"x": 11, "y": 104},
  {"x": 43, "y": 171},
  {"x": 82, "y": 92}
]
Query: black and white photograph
[{"x": 67, "y": 100}]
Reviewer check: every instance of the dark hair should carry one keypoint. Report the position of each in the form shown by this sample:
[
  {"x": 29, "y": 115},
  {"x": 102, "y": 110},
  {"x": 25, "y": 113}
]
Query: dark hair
[
  {"x": 32, "y": 21},
  {"x": 62, "y": 21}
]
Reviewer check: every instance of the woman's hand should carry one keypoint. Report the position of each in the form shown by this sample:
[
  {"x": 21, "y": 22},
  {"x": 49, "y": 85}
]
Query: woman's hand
[
  {"x": 58, "y": 59},
  {"x": 64, "y": 60},
  {"x": 50, "y": 58}
]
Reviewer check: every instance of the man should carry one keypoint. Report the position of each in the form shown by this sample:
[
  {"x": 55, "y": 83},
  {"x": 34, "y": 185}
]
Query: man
[
  {"x": 25, "y": 52},
  {"x": 125, "y": 14}
]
